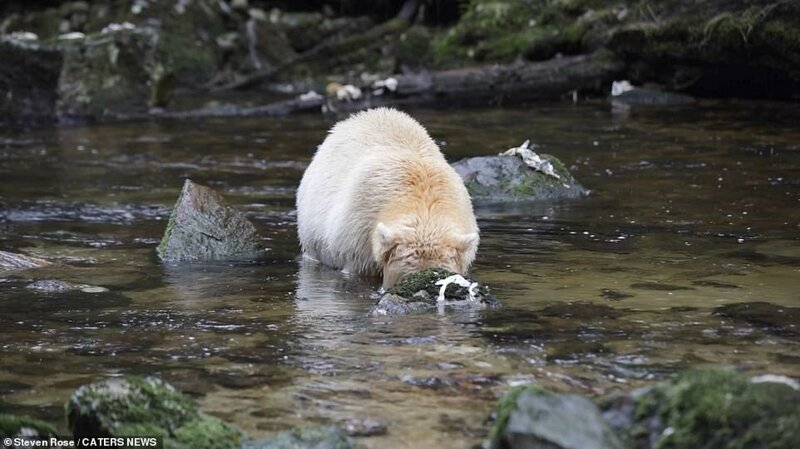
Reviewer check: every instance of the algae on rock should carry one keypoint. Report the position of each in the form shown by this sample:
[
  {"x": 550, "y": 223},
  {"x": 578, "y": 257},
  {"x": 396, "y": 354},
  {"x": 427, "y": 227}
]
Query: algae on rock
[
  {"x": 420, "y": 291},
  {"x": 709, "y": 408},
  {"x": 136, "y": 406},
  {"x": 500, "y": 179},
  {"x": 30, "y": 429}
]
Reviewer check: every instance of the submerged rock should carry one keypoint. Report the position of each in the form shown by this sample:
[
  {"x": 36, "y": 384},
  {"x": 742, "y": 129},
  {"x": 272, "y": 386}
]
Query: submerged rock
[
  {"x": 30, "y": 429},
  {"x": 432, "y": 289},
  {"x": 780, "y": 320},
  {"x": 501, "y": 179},
  {"x": 13, "y": 261},
  {"x": 530, "y": 417},
  {"x": 203, "y": 226},
  {"x": 136, "y": 406},
  {"x": 58, "y": 286},
  {"x": 707, "y": 409},
  {"x": 324, "y": 437}
]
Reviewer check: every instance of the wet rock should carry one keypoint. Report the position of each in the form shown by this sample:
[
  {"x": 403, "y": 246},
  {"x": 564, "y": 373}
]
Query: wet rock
[
  {"x": 530, "y": 417},
  {"x": 57, "y": 286},
  {"x": 774, "y": 318},
  {"x": 119, "y": 72},
  {"x": 709, "y": 408},
  {"x": 13, "y": 261},
  {"x": 203, "y": 226},
  {"x": 614, "y": 295},
  {"x": 363, "y": 427},
  {"x": 499, "y": 179},
  {"x": 641, "y": 96},
  {"x": 29, "y": 429},
  {"x": 420, "y": 292},
  {"x": 330, "y": 437},
  {"x": 28, "y": 80},
  {"x": 136, "y": 406}
]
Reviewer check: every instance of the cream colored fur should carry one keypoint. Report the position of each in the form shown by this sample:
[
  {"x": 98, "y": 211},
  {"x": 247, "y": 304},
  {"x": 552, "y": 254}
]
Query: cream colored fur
[{"x": 379, "y": 198}]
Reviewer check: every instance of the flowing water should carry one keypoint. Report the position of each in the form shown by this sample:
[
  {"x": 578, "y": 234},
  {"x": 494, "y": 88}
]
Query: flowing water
[{"x": 691, "y": 209}]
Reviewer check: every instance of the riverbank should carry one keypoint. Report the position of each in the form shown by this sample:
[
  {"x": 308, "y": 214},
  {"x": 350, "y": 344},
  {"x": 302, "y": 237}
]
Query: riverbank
[{"x": 135, "y": 59}]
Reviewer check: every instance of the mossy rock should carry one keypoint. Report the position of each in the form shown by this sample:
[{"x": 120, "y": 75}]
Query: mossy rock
[
  {"x": 203, "y": 226},
  {"x": 136, "y": 406},
  {"x": 529, "y": 416},
  {"x": 503, "y": 179},
  {"x": 419, "y": 292},
  {"x": 324, "y": 437},
  {"x": 119, "y": 72},
  {"x": 13, "y": 426},
  {"x": 711, "y": 408}
]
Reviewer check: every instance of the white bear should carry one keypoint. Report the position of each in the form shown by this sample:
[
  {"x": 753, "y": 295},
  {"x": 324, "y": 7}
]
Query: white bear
[{"x": 379, "y": 198}]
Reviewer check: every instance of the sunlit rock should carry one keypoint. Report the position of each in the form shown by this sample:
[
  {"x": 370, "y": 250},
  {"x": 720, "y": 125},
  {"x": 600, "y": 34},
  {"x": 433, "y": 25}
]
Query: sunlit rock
[
  {"x": 434, "y": 289},
  {"x": 12, "y": 261},
  {"x": 204, "y": 227}
]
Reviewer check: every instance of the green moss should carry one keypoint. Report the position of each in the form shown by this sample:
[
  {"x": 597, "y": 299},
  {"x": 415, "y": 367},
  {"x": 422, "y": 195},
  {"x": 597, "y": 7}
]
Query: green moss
[
  {"x": 423, "y": 280},
  {"x": 13, "y": 425},
  {"x": 136, "y": 406},
  {"x": 719, "y": 408}
]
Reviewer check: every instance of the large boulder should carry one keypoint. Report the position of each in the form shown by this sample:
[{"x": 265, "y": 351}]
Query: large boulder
[
  {"x": 433, "y": 289},
  {"x": 118, "y": 72},
  {"x": 29, "y": 76},
  {"x": 531, "y": 417},
  {"x": 502, "y": 179},
  {"x": 203, "y": 226},
  {"x": 707, "y": 409},
  {"x": 136, "y": 406}
]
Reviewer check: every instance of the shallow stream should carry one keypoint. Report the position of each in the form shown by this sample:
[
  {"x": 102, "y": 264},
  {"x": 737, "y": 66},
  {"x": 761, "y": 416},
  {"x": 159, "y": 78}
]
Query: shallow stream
[{"x": 691, "y": 209}]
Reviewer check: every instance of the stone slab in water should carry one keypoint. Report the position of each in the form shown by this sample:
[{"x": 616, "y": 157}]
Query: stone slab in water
[
  {"x": 59, "y": 286},
  {"x": 531, "y": 417},
  {"x": 502, "y": 179},
  {"x": 13, "y": 261},
  {"x": 137, "y": 406},
  {"x": 641, "y": 96},
  {"x": 419, "y": 292},
  {"x": 204, "y": 227}
]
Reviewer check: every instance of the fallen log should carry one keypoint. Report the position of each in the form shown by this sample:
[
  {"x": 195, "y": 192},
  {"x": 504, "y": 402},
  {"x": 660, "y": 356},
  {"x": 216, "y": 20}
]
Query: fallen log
[{"x": 507, "y": 84}]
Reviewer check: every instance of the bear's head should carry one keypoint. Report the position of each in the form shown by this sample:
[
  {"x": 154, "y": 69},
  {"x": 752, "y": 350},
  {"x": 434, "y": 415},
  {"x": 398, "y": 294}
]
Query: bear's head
[{"x": 404, "y": 249}]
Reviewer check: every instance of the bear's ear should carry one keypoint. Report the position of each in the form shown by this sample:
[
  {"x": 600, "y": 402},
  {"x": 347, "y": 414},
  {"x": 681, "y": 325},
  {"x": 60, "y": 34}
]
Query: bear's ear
[
  {"x": 387, "y": 241},
  {"x": 466, "y": 241}
]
